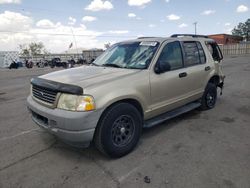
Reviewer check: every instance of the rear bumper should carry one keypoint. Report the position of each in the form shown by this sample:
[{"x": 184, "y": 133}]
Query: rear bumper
[
  {"x": 221, "y": 84},
  {"x": 75, "y": 128}
]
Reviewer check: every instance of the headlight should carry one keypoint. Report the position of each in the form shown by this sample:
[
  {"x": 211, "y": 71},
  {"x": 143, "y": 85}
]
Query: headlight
[{"x": 76, "y": 102}]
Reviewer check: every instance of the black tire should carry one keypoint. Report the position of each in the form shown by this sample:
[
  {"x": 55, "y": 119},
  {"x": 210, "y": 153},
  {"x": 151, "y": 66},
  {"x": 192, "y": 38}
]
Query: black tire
[
  {"x": 52, "y": 65},
  {"x": 209, "y": 97},
  {"x": 64, "y": 65},
  {"x": 31, "y": 65},
  {"x": 118, "y": 130}
]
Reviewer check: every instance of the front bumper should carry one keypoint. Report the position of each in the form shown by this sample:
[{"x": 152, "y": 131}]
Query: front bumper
[{"x": 76, "y": 128}]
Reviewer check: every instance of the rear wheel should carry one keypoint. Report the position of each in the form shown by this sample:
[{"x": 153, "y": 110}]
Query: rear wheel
[
  {"x": 119, "y": 130},
  {"x": 209, "y": 97}
]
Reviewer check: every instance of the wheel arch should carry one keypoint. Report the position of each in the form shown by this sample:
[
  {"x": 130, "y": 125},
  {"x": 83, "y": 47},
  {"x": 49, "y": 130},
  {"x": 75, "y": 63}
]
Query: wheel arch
[
  {"x": 131, "y": 101},
  {"x": 215, "y": 79}
]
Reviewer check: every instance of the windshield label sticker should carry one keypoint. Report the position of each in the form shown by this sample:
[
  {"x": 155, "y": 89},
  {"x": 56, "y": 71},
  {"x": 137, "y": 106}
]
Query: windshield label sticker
[{"x": 147, "y": 43}]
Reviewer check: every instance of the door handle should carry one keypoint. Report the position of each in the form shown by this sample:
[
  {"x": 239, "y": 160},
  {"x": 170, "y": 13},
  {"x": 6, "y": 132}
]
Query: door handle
[
  {"x": 207, "y": 68},
  {"x": 183, "y": 74}
]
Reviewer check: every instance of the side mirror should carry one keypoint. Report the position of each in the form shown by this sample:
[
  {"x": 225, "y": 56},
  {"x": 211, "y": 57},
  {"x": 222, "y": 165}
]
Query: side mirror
[
  {"x": 157, "y": 69},
  {"x": 162, "y": 67}
]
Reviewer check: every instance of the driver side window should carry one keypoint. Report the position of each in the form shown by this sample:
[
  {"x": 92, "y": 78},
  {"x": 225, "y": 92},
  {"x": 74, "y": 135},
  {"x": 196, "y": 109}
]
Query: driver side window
[{"x": 171, "y": 56}]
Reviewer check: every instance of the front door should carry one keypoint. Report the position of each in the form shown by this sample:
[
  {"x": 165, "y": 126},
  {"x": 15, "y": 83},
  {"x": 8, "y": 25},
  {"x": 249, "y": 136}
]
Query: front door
[{"x": 168, "y": 86}]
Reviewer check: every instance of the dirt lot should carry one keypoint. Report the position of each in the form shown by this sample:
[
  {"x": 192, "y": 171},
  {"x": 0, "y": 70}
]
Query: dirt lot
[{"x": 198, "y": 149}]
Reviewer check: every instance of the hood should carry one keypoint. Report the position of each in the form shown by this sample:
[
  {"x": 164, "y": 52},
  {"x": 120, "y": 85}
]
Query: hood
[{"x": 88, "y": 75}]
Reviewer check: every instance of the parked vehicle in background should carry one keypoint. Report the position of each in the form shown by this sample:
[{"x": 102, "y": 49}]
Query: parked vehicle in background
[
  {"x": 29, "y": 64},
  {"x": 71, "y": 63},
  {"x": 56, "y": 62},
  {"x": 42, "y": 63},
  {"x": 134, "y": 84},
  {"x": 81, "y": 61},
  {"x": 14, "y": 65}
]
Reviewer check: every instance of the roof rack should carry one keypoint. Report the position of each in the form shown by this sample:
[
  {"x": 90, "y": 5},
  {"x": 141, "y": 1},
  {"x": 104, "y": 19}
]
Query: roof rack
[{"x": 189, "y": 35}]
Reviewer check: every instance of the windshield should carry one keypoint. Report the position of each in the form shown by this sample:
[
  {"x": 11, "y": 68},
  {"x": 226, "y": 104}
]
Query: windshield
[{"x": 134, "y": 55}]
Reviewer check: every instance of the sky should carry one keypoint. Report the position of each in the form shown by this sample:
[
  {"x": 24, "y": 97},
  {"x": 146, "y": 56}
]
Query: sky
[{"x": 93, "y": 23}]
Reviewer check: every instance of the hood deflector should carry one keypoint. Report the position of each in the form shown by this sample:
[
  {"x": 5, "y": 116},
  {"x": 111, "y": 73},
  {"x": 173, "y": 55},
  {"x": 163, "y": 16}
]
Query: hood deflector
[{"x": 57, "y": 86}]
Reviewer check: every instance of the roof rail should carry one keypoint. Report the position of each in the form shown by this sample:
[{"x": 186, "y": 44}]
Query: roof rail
[
  {"x": 145, "y": 37},
  {"x": 189, "y": 35}
]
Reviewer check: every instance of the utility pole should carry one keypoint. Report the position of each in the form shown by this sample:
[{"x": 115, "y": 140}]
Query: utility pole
[
  {"x": 74, "y": 37},
  {"x": 195, "y": 27}
]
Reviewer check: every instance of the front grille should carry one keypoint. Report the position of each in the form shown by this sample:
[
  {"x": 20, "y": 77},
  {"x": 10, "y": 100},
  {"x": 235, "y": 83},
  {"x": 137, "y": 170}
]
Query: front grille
[{"x": 44, "y": 94}]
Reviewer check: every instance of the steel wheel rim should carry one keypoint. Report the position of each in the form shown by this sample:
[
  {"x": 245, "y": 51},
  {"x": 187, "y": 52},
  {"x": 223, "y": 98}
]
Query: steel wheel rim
[
  {"x": 210, "y": 98},
  {"x": 122, "y": 130}
]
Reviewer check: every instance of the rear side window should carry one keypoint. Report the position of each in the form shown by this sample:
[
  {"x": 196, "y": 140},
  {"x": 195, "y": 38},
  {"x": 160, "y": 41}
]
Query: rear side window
[
  {"x": 214, "y": 50},
  {"x": 194, "y": 53}
]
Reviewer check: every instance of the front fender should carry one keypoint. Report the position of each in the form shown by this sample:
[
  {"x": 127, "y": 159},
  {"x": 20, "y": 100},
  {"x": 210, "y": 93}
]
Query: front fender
[{"x": 121, "y": 94}]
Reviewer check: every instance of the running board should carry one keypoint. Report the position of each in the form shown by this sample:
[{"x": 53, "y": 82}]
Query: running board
[{"x": 171, "y": 114}]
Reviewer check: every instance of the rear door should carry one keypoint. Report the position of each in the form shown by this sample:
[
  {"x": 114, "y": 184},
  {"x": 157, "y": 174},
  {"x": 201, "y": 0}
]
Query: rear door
[
  {"x": 184, "y": 81},
  {"x": 197, "y": 68}
]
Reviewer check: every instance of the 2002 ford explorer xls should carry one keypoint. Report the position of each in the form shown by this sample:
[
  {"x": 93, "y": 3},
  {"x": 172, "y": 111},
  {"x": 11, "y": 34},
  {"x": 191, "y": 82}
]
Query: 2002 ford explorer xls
[{"x": 134, "y": 84}]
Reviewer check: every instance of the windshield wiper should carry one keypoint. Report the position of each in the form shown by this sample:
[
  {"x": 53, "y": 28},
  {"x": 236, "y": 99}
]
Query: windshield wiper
[
  {"x": 111, "y": 65},
  {"x": 135, "y": 68}
]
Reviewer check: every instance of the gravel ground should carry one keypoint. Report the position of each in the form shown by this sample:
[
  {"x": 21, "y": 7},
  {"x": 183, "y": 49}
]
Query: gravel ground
[{"x": 198, "y": 149}]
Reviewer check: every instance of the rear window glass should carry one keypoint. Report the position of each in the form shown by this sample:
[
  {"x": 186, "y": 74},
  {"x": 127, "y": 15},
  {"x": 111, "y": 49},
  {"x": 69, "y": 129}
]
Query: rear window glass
[
  {"x": 191, "y": 53},
  {"x": 194, "y": 53}
]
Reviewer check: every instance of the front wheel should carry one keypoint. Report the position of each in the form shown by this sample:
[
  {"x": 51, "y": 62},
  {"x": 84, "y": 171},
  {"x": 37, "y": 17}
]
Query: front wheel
[
  {"x": 209, "y": 97},
  {"x": 119, "y": 130}
]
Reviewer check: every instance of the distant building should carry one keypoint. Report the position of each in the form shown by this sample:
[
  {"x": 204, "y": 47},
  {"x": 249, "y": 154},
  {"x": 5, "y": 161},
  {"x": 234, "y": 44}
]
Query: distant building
[
  {"x": 7, "y": 57},
  {"x": 226, "y": 39}
]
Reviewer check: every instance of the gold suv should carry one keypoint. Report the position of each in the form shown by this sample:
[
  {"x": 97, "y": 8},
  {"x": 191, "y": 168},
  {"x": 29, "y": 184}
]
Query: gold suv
[{"x": 134, "y": 84}]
